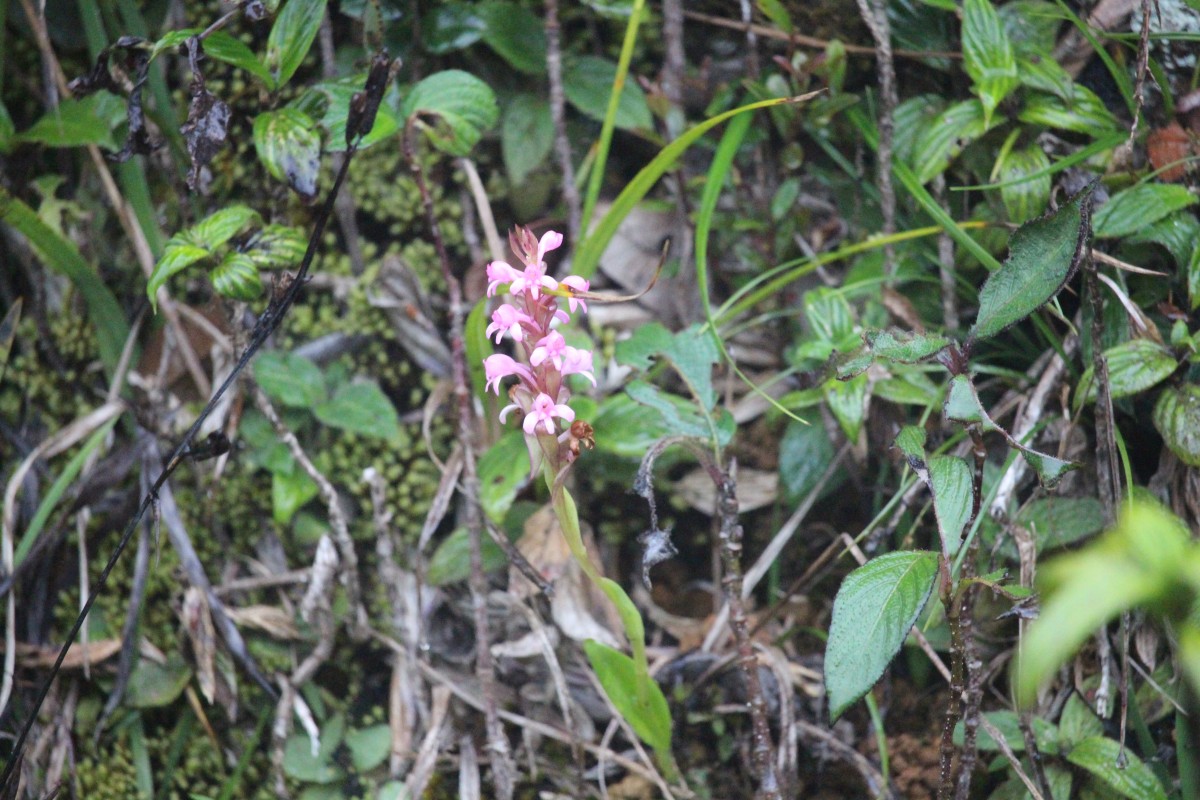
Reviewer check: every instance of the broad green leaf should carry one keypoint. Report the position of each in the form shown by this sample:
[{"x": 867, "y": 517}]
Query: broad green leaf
[
  {"x": 946, "y": 136},
  {"x": 154, "y": 685},
  {"x": 62, "y": 256},
  {"x": 1077, "y": 722},
  {"x": 988, "y": 55},
  {"x": 463, "y": 105},
  {"x": 912, "y": 118},
  {"x": 893, "y": 346},
  {"x": 236, "y": 277},
  {"x": 290, "y": 148},
  {"x": 777, "y": 12},
  {"x": 1137, "y": 562},
  {"x": 75, "y": 123},
  {"x": 451, "y": 26},
  {"x": 828, "y": 315},
  {"x": 219, "y": 227},
  {"x": 875, "y": 608},
  {"x": 805, "y": 452},
  {"x": 691, "y": 352},
  {"x": 503, "y": 471},
  {"x": 588, "y": 82},
  {"x": 950, "y": 481},
  {"x": 1056, "y": 522},
  {"x": 516, "y": 34},
  {"x": 1046, "y": 75},
  {"x": 1132, "y": 209},
  {"x": 221, "y": 46},
  {"x": 1009, "y": 725},
  {"x": 1032, "y": 26},
  {"x": 526, "y": 136},
  {"x": 681, "y": 417},
  {"x": 291, "y": 36},
  {"x": 1025, "y": 197},
  {"x": 451, "y": 561},
  {"x": 1102, "y": 756},
  {"x": 289, "y": 492},
  {"x": 291, "y": 379},
  {"x": 1177, "y": 418},
  {"x": 847, "y": 400},
  {"x": 299, "y": 761},
  {"x": 907, "y": 387},
  {"x": 1133, "y": 367},
  {"x": 623, "y": 428},
  {"x": 369, "y": 746},
  {"x": 277, "y": 247},
  {"x": 361, "y": 407},
  {"x": 1043, "y": 255},
  {"x": 177, "y": 256},
  {"x": 1082, "y": 112},
  {"x": 650, "y": 717},
  {"x": 1178, "y": 233}
]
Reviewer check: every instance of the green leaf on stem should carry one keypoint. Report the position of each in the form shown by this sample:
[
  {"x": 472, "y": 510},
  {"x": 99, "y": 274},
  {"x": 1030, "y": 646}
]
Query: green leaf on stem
[
  {"x": 847, "y": 401},
  {"x": 875, "y": 608},
  {"x": 361, "y": 407},
  {"x": 1117, "y": 768},
  {"x": 236, "y": 277},
  {"x": 516, "y": 34},
  {"x": 950, "y": 481},
  {"x": 962, "y": 404},
  {"x": 911, "y": 442},
  {"x": 642, "y": 705},
  {"x": 291, "y": 37},
  {"x": 1133, "y": 209},
  {"x": 1133, "y": 367},
  {"x": 1177, "y": 418},
  {"x": 946, "y": 137},
  {"x": 461, "y": 105},
  {"x": 288, "y": 146},
  {"x": 1043, "y": 255},
  {"x": 894, "y": 346},
  {"x": 75, "y": 123},
  {"x": 988, "y": 55}
]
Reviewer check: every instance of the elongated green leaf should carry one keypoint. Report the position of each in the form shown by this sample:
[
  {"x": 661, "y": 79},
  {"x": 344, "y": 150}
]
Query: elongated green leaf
[
  {"x": 219, "y": 227},
  {"x": 587, "y": 256},
  {"x": 277, "y": 247},
  {"x": 894, "y": 346},
  {"x": 526, "y": 136},
  {"x": 464, "y": 106},
  {"x": 61, "y": 255},
  {"x": 291, "y": 379},
  {"x": 847, "y": 401},
  {"x": 947, "y": 135},
  {"x": 361, "y": 408},
  {"x": 587, "y": 83},
  {"x": 177, "y": 256},
  {"x": 804, "y": 454},
  {"x": 1043, "y": 255},
  {"x": 1132, "y": 209},
  {"x": 1177, "y": 418},
  {"x": 1026, "y": 180},
  {"x": 236, "y": 277},
  {"x": 650, "y": 717},
  {"x": 218, "y": 45},
  {"x": 291, "y": 36},
  {"x": 1116, "y": 767},
  {"x": 288, "y": 146},
  {"x": 912, "y": 119},
  {"x": 1133, "y": 367},
  {"x": 950, "y": 481},
  {"x": 1083, "y": 112},
  {"x": 988, "y": 55},
  {"x": 875, "y": 608}
]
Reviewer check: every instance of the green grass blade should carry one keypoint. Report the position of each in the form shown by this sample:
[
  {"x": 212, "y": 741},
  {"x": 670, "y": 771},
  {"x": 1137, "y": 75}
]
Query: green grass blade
[{"x": 610, "y": 114}]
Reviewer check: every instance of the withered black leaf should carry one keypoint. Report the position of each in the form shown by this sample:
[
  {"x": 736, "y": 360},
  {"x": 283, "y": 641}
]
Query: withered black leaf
[
  {"x": 136, "y": 51},
  {"x": 657, "y": 547},
  {"x": 207, "y": 126}
]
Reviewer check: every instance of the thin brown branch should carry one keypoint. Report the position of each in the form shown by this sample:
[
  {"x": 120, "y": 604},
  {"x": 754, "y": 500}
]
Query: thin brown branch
[
  {"x": 558, "y": 113},
  {"x": 874, "y": 14}
]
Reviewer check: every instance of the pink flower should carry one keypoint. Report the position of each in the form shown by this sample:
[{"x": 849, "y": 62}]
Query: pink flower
[
  {"x": 532, "y": 281},
  {"x": 543, "y": 414},
  {"x": 498, "y": 273},
  {"x": 507, "y": 319},
  {"x": 499, "y": 366},
  {"x": 576, "y": 284},
  {"x": 577, "y": 362},
  {"x": 549, "y": 348},
  {"x": 551, "y": 240}
]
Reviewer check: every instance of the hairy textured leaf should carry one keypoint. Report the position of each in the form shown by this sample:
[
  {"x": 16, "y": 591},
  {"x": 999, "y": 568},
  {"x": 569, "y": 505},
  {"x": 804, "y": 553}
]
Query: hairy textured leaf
[
  {"x": 288, "y": 146},
  {"x": 962, "y": 404},
  {"x": 895, "y": 346},
  {"x": 875, "y": 608},
  {"x": 650, "y": 717},
  {"x": 950, "y": 481},
  {"x": 1043, "y": 255},
  {"x": 291, "y": 37},
  {"x": 1132, "y": 209}
]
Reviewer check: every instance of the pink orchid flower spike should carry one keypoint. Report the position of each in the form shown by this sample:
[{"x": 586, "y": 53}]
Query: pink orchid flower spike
[{"x": 543, "y": 414}]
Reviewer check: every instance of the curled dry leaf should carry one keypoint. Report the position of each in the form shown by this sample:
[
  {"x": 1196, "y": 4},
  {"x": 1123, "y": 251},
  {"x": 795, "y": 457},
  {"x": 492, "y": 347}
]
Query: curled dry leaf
[
  {"x": 269, "y": 619},
  {"x": 756, "y": 488},
  {"x": 197, "y": 621}
]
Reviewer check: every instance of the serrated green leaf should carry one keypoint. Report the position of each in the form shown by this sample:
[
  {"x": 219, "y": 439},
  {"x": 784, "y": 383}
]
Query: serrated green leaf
[
  {"x": 946, "y": 136},
  {"x": 1025, "y": 198},
  {"x": 236, "y": 277},
  {"x": 1100, "y": 756},
  {"x": 962, "y": 404},
  {"x": 1133, "y": 367},
  {"x": 1043, "y": 255},
  {"x": 361, "y": 408},
  {"x": 288, "y": 146},
  {"x": 291, "y": 37},
  {"x": 76, "y": 123},
  {"x": 1177, "y": 418},
  {"x": 459, "y": 108},
  {"x": 875, "y": 608},
  {"x": 1050, "y": 469},
  {"x": 895, "y": 346},
  {"x": 516, "y": 34},
  {"x": 1081, "y": 112},
  {"x": 369, "y": 746},
  {"x": 503, "y": 471},
  {"x": 649, "y": 716},
  {"x": 988, "y": 55},
  {"x": 277, "y": 247},
  {"x": 588, "y": 82},
  {"x": 951, "y": 481},
  {"x": 911, "y": 442},
  {"x": 526, "y": 136},
  {"x": 1132, "y": 209},
  {"x": 291, "y": 379}
]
